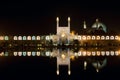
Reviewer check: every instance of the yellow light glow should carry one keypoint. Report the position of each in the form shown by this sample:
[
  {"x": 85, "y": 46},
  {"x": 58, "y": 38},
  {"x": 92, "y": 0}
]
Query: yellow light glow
[
  {"x": 63, "y": 56},
  {"x": 73, "y": 33},
  {"x": 72, "y": 57},
  {"x": 63, "y": 35}
]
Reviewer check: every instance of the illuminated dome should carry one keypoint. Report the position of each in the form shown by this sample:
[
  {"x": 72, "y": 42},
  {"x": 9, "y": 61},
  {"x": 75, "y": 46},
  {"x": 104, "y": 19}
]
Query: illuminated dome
[{"x": 97, "y": 25}]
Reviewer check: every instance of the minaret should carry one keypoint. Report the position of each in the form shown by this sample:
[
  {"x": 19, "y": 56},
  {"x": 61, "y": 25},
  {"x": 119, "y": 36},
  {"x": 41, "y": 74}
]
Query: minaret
[
  {"x": 57, "y": 19},
  {"x": 97, "y": 23},
  {"x": 84, "y": 25},
  {"x": 68, "y": 21}
]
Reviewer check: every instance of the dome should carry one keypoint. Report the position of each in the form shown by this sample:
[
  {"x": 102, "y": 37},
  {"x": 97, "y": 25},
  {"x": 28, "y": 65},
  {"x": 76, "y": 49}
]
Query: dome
[{"x": 98, "y": 25}]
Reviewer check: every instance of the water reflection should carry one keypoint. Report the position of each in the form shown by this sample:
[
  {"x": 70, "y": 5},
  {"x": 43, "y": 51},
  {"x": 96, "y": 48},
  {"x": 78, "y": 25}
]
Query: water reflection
[{"x": 96, "y": 57}]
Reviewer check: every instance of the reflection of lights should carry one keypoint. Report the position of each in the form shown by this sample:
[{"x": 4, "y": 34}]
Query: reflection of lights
[
  {"x": 116, "y": 37},
  {"x": 89, "y": 53},
  {"x": 97, "y": 70},
  {"x": 112, "y": 53},
  {"x": 93, "y": 37},
  {"x": 85, "y": 65},
  {"x": 15, "y": 53},
  {"x": 98, "y": 37},
  {"x": 107, "y": 53},
  {"x": 93, "y": 53},
  {"x": 29, "y": 53},
  {"x": 102, "y": 37},
  {"x": 84, "y": 53},
  {"x": 72, "y": 57},
  {"x": 69, "y": 72},
  {"x": 79, "y": 37},
  {"x": 19, "y": 53},
  {"x": 98, "y": 53},
  {"x": 88, "y": 37},
  {"x": 107, "y": 37},
  {"x": 57, "y": 72},
  {"x": 116, "y": 53},
  {"x": 38, "y": 53},
  {"x": 111, "y": 37},
  {"x": 84, "y": 37},
  {"x": 103, "y": 53},
  {"x": 63, "y": 56}
]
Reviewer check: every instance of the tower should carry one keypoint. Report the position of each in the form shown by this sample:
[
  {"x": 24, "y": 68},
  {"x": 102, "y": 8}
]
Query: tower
[{"x": 84, "y": 25}]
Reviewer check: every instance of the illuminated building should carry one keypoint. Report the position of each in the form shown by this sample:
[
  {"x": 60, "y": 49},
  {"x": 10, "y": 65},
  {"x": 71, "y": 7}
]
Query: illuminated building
[{"x": 95, "y": 37}]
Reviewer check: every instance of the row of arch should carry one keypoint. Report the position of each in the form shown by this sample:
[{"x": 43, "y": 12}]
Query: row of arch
[
  {"x": 97, "y": 37},
  {"x": 97, "y": 53},
  {"x": 79, "y": 37}
]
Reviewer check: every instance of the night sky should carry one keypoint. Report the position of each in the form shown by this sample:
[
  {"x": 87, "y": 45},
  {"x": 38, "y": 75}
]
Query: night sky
[{"x": 39, "y": 17}]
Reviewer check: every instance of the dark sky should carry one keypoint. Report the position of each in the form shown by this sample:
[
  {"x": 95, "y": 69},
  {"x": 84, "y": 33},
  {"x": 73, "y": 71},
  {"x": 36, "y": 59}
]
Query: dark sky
[{"x": 36, "y": 17}]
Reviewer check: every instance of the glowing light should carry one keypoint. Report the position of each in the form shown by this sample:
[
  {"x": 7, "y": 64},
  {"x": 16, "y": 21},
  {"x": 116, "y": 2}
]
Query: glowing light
[
  {"x": 116, "y": 53},
  {"x": 47, "y": 38},
  {"x": 47, "y": 53},
  {"x": 57, "y": 19},
  {"x": 89, "y": 53},
  {"x": 103, "y": 53},
  {"x": 112, "y": 53},
  {"x": 93, "y": 37},
  {"x": 68, "y": 18},
  {"x": 63, "y": 35},
  {"x": 28, "y": 37},
  {"x": 107, "y": 37},
  {"x": 84, "y": 53},
  {"x": 15, "y": 38},
  {"x": 93, "y": 53},
  {"x": 84, "y": 37},
  {"x": 19, "y": 53},
  {"x": 38, "y": 53},
  {"x": 24, "y": 37},
  {"x": 97, "y": 70},
  {"x": 76, "y": 54},
  {"x": 116, "y": 37},
  {"x": 85, "y": 64},
  {"x": 98, "y": 37},
  {"x": 102, "y": 37},
  {"x": 69, "y": 72},
  {"x": 2, "y": 54},
  {"x": 24, "y": 54},
  {"x": 63, "y": 56},
  {"x": 29, "y": 53},
  {"x": 1, "y": 38},
  {"x": 33, "y": 53},
  {"x": 73, "y": 33},
  {"x": 72, "y": 57},
  {"x": 88, "y": 37},
  {"x": 111, "y": 37},
  {"x": 15, "y": 53},
  {"x": 98, "y": 53},
  {"x": 6, "y": 38},
  {"x": 79, "y": 53},
  {"x": 38, "y": 37},
  {"x": 19, "y": 37},
  {"x": 57, "y": 72},
  {"x": 33, "y": 38},
  {"x": 107, "y": 53}
]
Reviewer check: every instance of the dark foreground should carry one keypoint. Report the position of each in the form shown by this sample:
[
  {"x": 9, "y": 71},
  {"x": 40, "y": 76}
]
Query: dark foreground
[{"x": 44, "y": 68}]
